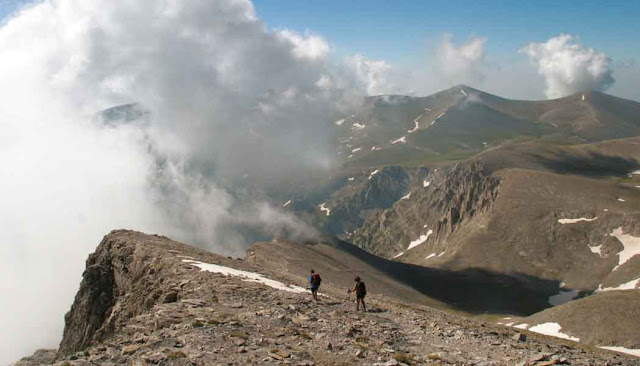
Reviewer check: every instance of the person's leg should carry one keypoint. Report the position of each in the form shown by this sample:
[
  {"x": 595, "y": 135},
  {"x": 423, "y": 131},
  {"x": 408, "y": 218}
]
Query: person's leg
[
  {"x": 358, "y": 300},
  {"x": 364, "y": 307}
]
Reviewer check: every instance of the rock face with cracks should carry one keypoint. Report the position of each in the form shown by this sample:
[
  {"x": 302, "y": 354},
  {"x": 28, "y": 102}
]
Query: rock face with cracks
[{"x": 145, "y": 300}]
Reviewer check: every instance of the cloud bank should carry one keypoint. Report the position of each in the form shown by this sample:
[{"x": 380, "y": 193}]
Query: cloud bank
[
  {"x": 226, "y": 111},
  {"x": 569, "y": 67}
]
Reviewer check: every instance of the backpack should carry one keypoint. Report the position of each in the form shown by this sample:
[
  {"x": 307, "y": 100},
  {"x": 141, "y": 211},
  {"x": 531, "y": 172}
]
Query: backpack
[
  {"x": 315, "y": 279},
  {"x": 361, "y": 290}
]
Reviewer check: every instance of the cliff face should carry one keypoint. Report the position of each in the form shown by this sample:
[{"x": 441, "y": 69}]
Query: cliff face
[
  {"x": 123, "y": 278},
  {"x": 436, "y": 207}
]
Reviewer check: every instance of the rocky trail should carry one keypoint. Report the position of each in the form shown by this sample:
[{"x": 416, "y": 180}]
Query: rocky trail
[{"x": 165, "y": 310}]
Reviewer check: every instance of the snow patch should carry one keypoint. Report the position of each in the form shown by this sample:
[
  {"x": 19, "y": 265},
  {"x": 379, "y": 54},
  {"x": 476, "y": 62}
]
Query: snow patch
[
  {"x": 351, "y": 179},
  {"x": 631, "y": 285},
  {"x": 247, "y": 276},
  {"x": 417, "y": 125},
  {"x": 287, "y": 203},
  {"x": 463, "y": 92},
  {"x": 621, "y": 199},
  {"x": 398, "y": 255},
  {"x": 573, "y": 221},
  {"x": 631, "y": 246},
  {"x": 339, "y": 122},
  {"x": 356, "y": 149},
  {"x": 373, "y": 173},
  {"x": 582, "y": 96},
  {"x": 325, "y": 209},
  {"x": 431, "y": 255},
  {"x": 406, "y": 197},
  {"x": 521, "y": 326},
  {"x": 402, "y": 139},
  {"x": 420, "y": 240},
  {"x": 357, "y": 126},
  {"x": 629, "y": 351},
  {"x": 552, "y": 329},
  {"x": 562, "y": 297},
  {"x": 425, "y": 183},
  {"x": 596, "y": 250}
]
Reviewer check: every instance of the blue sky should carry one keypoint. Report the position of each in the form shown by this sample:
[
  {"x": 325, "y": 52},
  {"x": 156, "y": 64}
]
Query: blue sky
[{"x": 398, "y": 31}]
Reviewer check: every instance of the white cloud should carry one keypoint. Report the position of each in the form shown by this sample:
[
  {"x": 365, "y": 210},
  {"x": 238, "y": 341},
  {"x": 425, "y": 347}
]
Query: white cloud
[
  {"x": 569, "y": 67},
  {"x": 373, "y": 74},
  {"x": 309, "y": 46},
  {"x": 462, "y": 64},
  {"x": 234, "y": 111}
]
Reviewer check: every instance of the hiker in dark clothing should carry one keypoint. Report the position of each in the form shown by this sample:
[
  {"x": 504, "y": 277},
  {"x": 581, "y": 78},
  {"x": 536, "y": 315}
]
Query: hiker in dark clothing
[
  {"x": 314, "y": 281},
  {"x": 361, "y": 291}
]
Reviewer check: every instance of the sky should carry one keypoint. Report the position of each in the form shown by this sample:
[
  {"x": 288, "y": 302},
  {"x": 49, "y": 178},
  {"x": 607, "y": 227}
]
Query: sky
[
  {"x": 235, "y": 103},
  {"x": 397, "y": 30},
  {"x": 407, "y": 35}
]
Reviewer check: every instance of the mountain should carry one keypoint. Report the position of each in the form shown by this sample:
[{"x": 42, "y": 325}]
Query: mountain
[
  {"x": 541, "y": 194},
  {"x": 461, "y": 121},
  {"x": 146, "y": 299}
]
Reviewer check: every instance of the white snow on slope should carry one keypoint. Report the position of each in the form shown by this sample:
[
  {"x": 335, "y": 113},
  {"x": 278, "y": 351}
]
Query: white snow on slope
[
  {"x": 562, "y": 297},
  {"x": 402, "y": 139},
  {"x": 324, "y": 208},
  {"x": 431, "y": 255},
  {"x": 573, "y": 221},
  {"x": 420, "y": 240},
  {"x": 440, "y": 115},
  {"x": 373, "y": 173},
  {"x": 521, "y": 326},
  {"x": 287, "y": 203},
  {"x": 351, "y": 179},
  {"x": 582, "y": 96},
  {"x": 357, "y": 126},
  {"x": 425, "y": 183},
  {"x": 621, "y": 199},
  {"x": 635, "y": 172},
  {"x": 596, "y": 250},
  {"x": 339, "y": 122},
  {"x": 631, "y": 246},
  {"x": 552, "y": 329},
  {"x": 398, "y": 255},
  {"x": 637, "y": 186},
  {"x": 417, "y": 125},
  {"x": 629, "y": 351},
  {"x": 631, "y": 285},
  {"x": 406, "y": 197},
  {"x": 247, "y": 276},
  {"x": 463, "y": 92},
  {"x": 356, "y": 149}
]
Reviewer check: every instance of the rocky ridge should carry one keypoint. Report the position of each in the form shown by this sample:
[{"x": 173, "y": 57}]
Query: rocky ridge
[{"x": 150, "y": 300}]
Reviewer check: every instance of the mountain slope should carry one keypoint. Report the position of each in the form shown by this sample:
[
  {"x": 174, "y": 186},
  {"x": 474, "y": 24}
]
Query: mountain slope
[
  {"x": 198, "y": 308},
  {"x": 461, "y": 122}
]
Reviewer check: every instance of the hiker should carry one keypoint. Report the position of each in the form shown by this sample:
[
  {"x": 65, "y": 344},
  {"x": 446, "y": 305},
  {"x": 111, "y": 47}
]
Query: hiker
[
  {"x": 314, "y": 280},
  {"x": 361, "y": 291}
]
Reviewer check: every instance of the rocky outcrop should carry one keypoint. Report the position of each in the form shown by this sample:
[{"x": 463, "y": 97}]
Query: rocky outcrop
[
  {"x": 445, "y": 200},
  {"x": 127, "y": 275}
]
